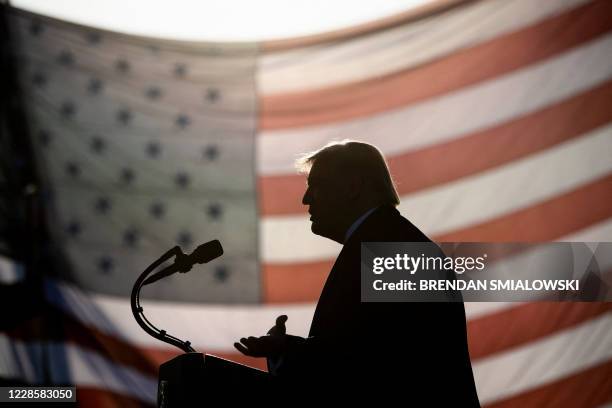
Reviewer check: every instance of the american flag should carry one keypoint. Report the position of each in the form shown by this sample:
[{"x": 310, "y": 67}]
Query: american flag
[{"x": 495, "y": 117}]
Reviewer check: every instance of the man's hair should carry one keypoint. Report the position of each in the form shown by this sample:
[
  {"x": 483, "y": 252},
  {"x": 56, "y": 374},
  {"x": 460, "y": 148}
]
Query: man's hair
[{"x": 355, "y": 157}]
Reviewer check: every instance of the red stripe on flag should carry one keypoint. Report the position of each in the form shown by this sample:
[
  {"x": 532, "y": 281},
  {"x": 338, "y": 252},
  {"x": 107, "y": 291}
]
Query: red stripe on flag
[
  {"x": 470, "y": 154},
  {"x": 294, "y": 283},
  {"x": 466, "y": 67},
  {"x": 528, "y": 322},
  {"x": 544, "y": 221},
  {"x": 586, "y": 389}
]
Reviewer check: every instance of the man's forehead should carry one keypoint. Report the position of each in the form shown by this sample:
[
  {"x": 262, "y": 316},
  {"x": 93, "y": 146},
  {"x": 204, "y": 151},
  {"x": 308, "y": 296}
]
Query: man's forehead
[{"x": 321, "y": 171}]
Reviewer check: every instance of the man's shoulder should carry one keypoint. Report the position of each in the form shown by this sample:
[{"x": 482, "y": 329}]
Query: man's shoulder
[{"x": 387, "y": 224}]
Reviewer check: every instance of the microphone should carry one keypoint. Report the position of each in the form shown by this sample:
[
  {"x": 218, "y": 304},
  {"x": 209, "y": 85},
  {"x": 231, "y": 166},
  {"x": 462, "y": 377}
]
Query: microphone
[{"x": 183, "y": 263}]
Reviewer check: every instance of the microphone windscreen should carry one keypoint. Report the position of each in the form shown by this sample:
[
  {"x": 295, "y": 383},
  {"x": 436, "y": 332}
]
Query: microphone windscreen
[{"x": 207, "y": 252}]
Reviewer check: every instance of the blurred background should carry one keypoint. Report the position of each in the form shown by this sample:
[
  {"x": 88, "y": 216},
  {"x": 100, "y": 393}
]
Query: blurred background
[{"x": 127, "y": 129}]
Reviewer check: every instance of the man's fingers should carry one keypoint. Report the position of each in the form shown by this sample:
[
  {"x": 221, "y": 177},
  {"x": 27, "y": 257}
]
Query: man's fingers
[
  {"x": 251, "y": 346},
  {"x": 242, "y": 349},
  {"x": 279, "y": 329},
  {"x": 281, "y": 320},
  {"x": 245, "y": 345}
]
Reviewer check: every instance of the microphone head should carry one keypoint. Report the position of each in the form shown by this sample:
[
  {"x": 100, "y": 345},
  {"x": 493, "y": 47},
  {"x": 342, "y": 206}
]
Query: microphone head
[{"x": 207, "y": 252}]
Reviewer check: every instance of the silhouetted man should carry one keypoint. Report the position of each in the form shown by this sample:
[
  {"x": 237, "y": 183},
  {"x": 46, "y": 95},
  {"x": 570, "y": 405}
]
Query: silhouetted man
[{"x": 409, "y": 351}]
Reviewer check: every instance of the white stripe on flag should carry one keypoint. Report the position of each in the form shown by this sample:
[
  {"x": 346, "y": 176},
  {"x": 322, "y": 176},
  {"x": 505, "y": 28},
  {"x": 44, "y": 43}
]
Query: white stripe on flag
[
  {"x": 601, "y": 232},
  {"x": 474, "y": 199},
  {"x": 474, "y": 310},
  {"x": 74, "y": 365},
  {"x": 449, "y": 116},
  {"x": 542, "y": 361},
  {"x": 20, "y": 360},
  {"x": 11, "y": 272},
  {"x": 400, "y": 48}
]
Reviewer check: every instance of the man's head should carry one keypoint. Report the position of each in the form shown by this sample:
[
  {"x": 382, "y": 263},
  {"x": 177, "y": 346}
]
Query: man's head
[{"x": 345, "y": 179}]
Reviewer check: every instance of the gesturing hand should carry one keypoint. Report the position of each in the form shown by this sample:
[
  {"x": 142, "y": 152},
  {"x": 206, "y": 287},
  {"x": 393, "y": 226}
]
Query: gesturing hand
[{"x": 266, "y": 346}]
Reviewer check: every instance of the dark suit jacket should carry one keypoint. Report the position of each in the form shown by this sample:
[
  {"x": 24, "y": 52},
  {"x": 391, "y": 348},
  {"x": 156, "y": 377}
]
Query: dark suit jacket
[{"x": 413, "y": 350}]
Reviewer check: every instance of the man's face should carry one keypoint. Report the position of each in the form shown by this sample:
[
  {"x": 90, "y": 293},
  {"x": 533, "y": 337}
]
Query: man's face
[{"x": 327, "y": 201}]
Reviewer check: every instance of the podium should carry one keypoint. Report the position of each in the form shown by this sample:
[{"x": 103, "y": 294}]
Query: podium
[{"x": 196, "y": 379}]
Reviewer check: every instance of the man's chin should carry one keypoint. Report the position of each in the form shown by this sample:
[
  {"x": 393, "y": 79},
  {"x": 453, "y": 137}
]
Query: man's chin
[{"x": 317, "y": 229}]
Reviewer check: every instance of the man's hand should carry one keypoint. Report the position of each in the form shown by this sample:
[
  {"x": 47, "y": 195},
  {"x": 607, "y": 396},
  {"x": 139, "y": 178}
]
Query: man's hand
[{"x": 266, "y": 346}]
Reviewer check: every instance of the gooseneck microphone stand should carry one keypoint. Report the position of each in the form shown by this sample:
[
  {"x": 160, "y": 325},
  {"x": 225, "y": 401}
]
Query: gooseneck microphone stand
[
  {"x": 191, "y": 378},
  {"x": 138, "y": 311}
]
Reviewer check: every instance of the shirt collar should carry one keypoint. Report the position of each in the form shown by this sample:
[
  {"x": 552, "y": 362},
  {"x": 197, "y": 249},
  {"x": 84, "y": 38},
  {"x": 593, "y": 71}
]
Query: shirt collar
[{"x": 357, "y": 223}]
